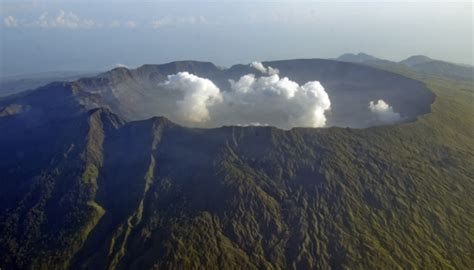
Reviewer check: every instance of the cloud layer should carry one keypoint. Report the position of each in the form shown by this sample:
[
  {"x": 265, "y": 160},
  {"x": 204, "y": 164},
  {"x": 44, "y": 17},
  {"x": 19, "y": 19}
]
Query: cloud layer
[
  {"x": 62, "y": 19},
  {"x": 384, "y": 112},
  {"x": 251, "y": 100},
  {"x": 70, "y": 20}
]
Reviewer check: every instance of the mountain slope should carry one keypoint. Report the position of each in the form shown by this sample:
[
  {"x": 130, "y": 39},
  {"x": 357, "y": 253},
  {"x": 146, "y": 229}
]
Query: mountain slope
[
  {"x": 49, "y": 184},
  {"x": 418, "y": 63},
  {"x": 441, "y": 68},
  {"x": 99, "y": 193},
  {"x": 363, "y": 58},
  {"x": 357, "y": 58},
  {"x": 53, "y": 102}
]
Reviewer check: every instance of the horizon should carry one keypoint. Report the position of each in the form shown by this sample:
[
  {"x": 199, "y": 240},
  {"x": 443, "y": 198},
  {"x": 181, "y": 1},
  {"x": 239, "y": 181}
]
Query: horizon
[
  {"x": 54, "y": 36},
  {"x": 112, "y": 67}
]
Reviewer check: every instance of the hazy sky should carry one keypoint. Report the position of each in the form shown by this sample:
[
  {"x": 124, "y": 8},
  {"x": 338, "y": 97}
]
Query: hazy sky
[{"x": 40, "y": 36}]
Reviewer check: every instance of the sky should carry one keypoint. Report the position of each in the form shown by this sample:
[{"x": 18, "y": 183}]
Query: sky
[{"x": 70, "y": 35}]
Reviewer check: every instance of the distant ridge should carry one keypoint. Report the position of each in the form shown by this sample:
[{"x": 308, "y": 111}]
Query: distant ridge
[
  {"x": 418, "y": 63},
  {"x": 358, "y": 58},
  {"x": 415, "y": 60},
  {"x": 15, "y": 84}
]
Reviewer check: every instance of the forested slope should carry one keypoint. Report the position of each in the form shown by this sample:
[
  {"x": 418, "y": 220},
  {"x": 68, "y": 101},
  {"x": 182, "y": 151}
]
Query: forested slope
[{"x": 100, "y": 193}]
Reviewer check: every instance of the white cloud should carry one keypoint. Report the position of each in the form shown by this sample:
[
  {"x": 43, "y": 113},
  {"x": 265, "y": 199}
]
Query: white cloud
[
  {"x": 259, "y": 66},
  {"x": 70, "y": 20},
  {"x": 384, "y": 112},
  {"x": 197, "y": 95},
  {"x": 63, "y": 20},
  {"x": 172, "y": 20},
  {"x": 10, "y": 21},
  {"x": 265, "y": 70},
  {"x": 268, "y": 100}
]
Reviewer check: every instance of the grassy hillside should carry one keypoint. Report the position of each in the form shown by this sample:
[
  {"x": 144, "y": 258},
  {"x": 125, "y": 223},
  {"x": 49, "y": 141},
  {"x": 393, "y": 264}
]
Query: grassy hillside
[
  {"x": 151, "y": 194},
  {"x": 417, "y": 63}
]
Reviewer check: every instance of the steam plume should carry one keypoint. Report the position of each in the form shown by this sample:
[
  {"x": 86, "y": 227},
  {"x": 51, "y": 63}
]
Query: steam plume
[
  {"x": 384, "y": 112},
  {"x": 267, "y": 100},
  {"x": 265, "y": 70},
  {"x": 198, "y": 94}
]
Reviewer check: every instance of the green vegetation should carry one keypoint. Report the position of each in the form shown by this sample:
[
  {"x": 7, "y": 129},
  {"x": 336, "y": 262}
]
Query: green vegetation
[{"x": 150, "y": 194}]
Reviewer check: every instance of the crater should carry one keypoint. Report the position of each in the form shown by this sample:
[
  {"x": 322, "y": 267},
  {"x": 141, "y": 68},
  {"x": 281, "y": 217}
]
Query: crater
[
  {"x": 351, "y": 88},
  {"x": 360, "y": 96}
]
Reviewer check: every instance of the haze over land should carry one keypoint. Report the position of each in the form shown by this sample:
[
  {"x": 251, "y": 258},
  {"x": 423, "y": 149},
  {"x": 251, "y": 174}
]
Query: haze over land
[{"x": 42, "y": 36}]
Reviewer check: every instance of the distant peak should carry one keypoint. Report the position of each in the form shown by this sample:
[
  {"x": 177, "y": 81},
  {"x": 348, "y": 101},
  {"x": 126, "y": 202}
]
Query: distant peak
[
  {"x": 360, "y": 57},
  {"x": 416, "y": 59},
  {"x": 120, "y": 69},
  {"x": 182, "y": 63},
  {"x": 419, "y": 57},
  {"x": 118, "y": 72},
  {"x": 365, "y": 55}
]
